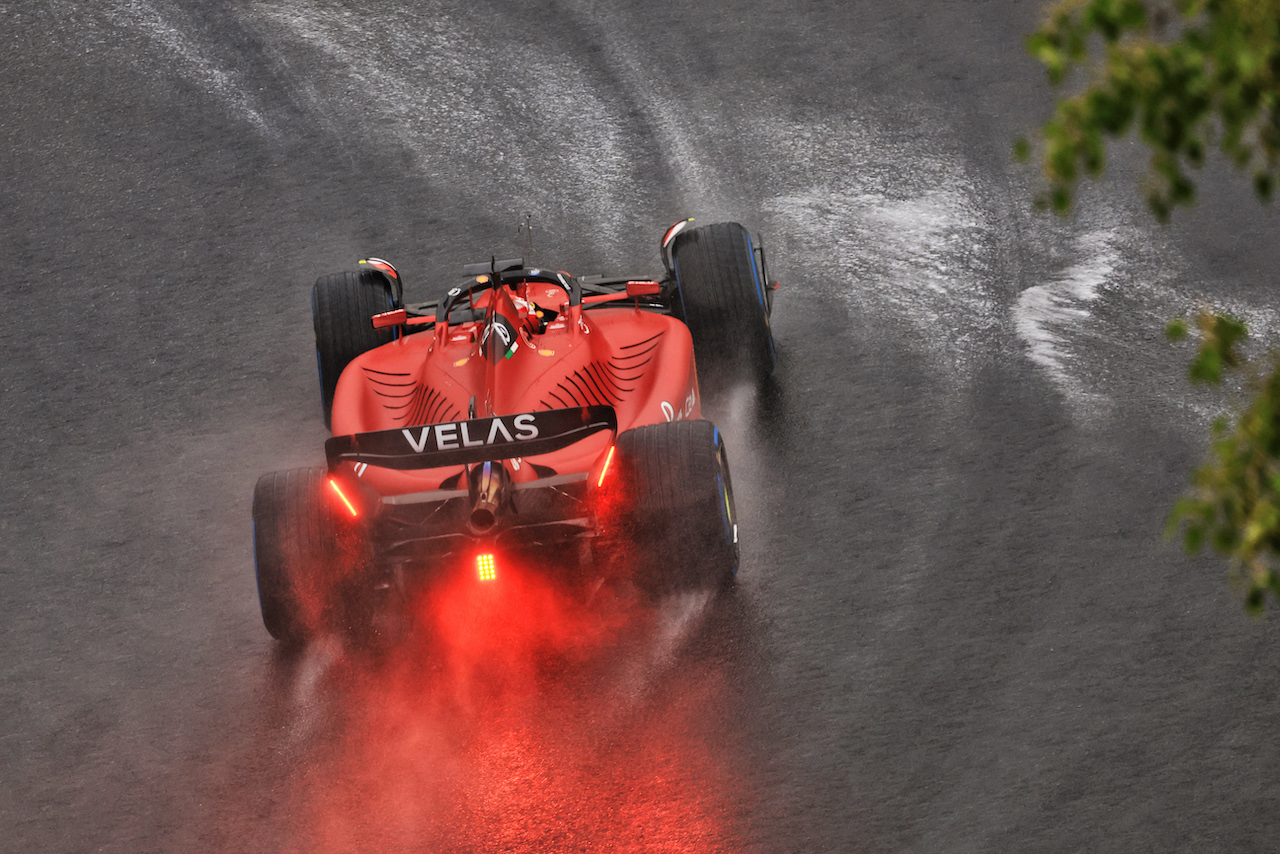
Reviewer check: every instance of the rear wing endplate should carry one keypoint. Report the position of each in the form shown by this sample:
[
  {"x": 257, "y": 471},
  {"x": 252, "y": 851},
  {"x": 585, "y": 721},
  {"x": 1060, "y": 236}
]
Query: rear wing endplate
[{"x": 476, "y": 440}]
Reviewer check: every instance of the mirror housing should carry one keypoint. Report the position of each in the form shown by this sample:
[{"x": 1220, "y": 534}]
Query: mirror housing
[
  {"x": 395, "y": 317},
  {"x": 643, "y": 289}
]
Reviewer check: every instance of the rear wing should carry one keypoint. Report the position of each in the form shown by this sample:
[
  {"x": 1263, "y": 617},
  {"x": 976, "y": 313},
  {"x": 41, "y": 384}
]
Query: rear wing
[{"x": 453, "y": 443}]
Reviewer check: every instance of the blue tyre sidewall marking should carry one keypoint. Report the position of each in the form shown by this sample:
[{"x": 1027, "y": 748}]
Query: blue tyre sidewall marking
[
  {"x": 675, "y": 262},
  {"x": 724, "y": 509},
  {"x": 755, "y": 273},
  {"x": 755, "y": 277}
]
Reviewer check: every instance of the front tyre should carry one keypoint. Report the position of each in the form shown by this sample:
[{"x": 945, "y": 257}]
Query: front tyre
[
  {"x": 342, "y": 307},
  {"x": 683, "y": 526},
  {"x": 722, "y": 298}
]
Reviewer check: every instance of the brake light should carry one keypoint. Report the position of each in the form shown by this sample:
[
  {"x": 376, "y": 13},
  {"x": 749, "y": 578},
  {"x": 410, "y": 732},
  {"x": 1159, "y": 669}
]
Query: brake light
[
  {"x": 605, "y": 468},
  {"x": 334, "y": 484},
  {"x": 486, "y": 568}
]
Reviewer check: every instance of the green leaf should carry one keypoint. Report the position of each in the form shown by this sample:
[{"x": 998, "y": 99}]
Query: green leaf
[
  {"x": 1193, "y": 539},
  {"x": 1060, "y": 198},
  {"x": 1206, "y": 367}
]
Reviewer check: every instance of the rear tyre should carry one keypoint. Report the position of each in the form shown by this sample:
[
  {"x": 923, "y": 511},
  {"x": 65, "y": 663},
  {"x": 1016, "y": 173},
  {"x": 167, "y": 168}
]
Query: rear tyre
[
  {"x": 683, "y": 526},
  {"x": 341, "y": 307},
  {"x": 303, "y": 556},
  {"x": 721, "y": 296}
]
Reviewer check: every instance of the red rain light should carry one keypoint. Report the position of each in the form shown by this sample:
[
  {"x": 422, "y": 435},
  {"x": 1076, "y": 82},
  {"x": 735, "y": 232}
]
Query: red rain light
[
  {"x": 486, "y": 568},
  {"x": 605, "y": 469},
  {"x": 333, "y": 483}
]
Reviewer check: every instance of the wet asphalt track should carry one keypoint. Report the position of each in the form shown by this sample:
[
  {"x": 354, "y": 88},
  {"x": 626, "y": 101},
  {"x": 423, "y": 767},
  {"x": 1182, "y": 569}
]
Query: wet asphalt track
[{"x": 957, "y": 627}]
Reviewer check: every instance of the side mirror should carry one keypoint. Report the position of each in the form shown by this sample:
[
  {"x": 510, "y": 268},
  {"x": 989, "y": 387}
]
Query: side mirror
[
  {"x": 643, "y": 289},
  {"x": 396, "y": 317}
]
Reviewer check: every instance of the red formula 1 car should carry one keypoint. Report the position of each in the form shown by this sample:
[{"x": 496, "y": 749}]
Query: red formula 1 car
[{"x": 528, "y": 417}]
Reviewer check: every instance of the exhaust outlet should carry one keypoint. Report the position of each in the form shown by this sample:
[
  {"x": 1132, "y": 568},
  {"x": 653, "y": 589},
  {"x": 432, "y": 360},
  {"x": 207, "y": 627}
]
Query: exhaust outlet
[{"x": 487, "y": 484}]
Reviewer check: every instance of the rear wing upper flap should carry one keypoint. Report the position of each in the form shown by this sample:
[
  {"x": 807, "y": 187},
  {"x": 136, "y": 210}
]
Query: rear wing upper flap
[{"x": 476, "y": 440}]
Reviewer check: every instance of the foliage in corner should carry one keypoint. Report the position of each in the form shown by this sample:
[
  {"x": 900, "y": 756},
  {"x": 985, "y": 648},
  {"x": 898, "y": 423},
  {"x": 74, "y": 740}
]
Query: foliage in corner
[
  {"x": 1234, "y": 505},
  {"x": 1190, "y": 75}
]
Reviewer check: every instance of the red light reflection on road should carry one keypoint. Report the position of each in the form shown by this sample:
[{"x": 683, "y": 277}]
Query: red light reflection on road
[{"x": 528, "y": 722}]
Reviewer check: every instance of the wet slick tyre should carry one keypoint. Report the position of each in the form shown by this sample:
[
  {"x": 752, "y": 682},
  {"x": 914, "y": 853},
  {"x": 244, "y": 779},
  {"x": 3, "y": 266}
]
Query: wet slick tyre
[
  {"x": 682, "y": 529},
  {"x": 342, "y": 306},
  {"x": 302, "y": 562},
  {"x": 721, "y": 298}
]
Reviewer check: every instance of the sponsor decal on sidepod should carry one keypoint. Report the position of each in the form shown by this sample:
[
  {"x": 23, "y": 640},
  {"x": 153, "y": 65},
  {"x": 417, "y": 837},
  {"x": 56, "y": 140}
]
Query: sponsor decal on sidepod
[{"x": 685, "y": 411}]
